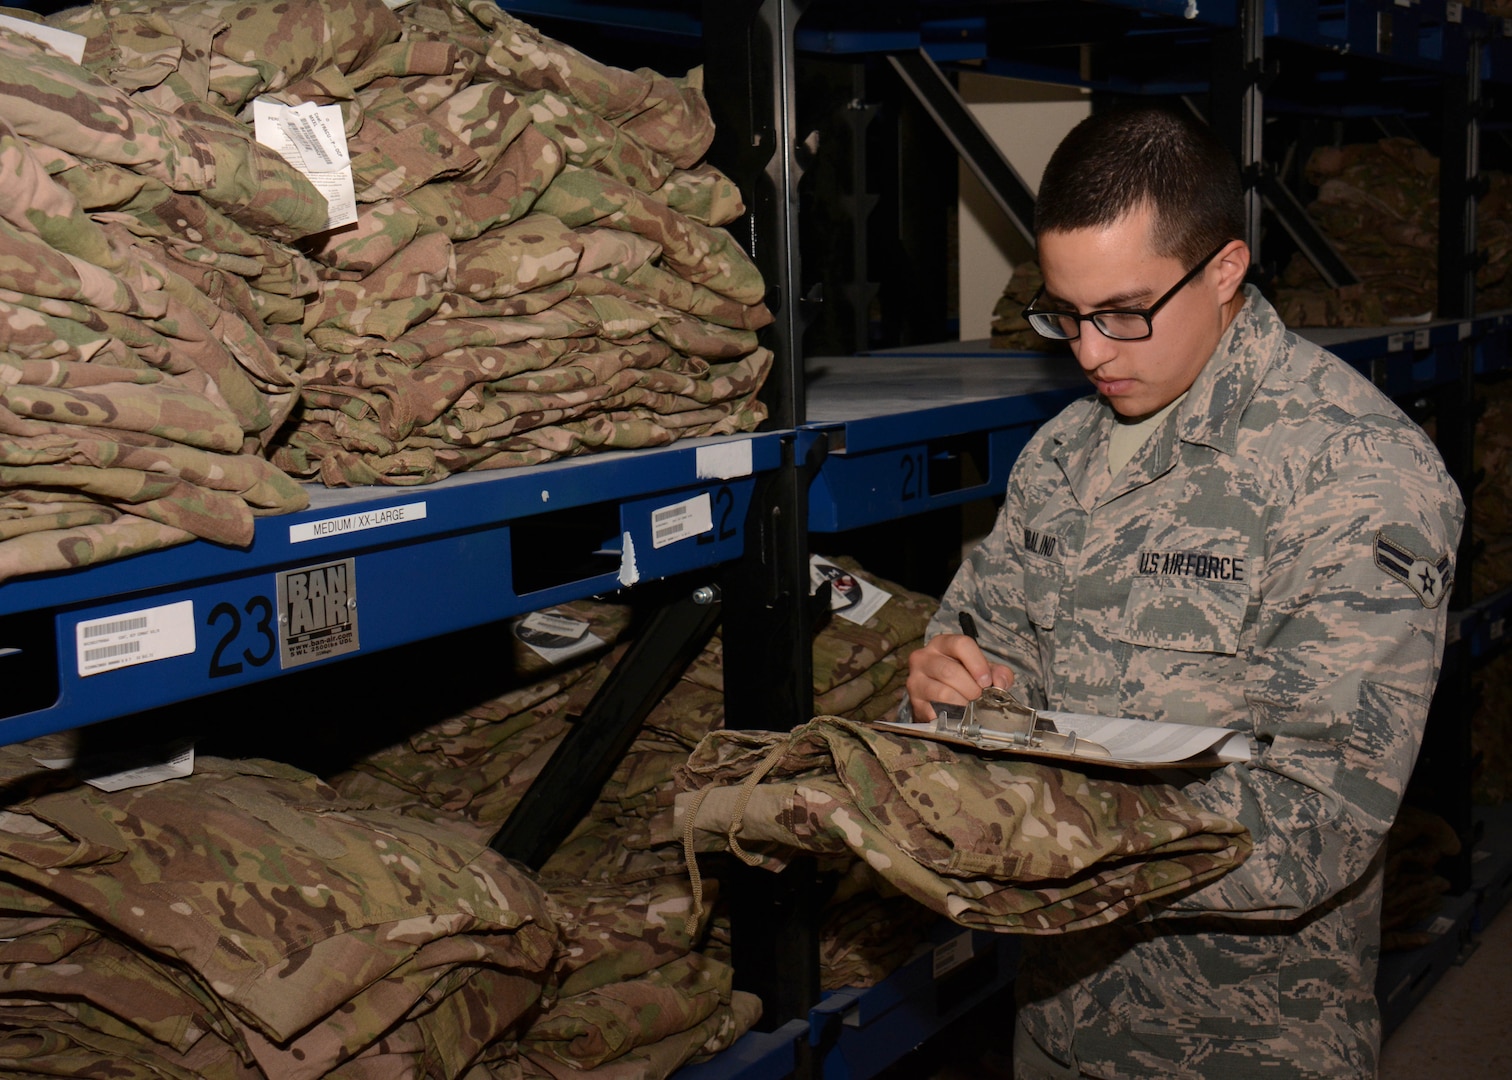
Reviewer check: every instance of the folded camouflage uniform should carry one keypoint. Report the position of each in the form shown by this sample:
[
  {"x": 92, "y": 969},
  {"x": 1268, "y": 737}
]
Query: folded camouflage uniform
[
  {"x": 297, "y": 930},
  {"x": 987, "y": 841}
]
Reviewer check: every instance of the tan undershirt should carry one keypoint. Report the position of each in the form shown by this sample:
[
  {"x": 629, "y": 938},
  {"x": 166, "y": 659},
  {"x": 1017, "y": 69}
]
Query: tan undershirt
[{"x": 1129, "y": 435}]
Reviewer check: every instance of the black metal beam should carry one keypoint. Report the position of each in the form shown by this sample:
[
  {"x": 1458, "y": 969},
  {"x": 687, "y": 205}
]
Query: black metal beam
[
  {"x": 588, "y": 754},
  {"x": 749, "y": 80},
  {"x": 1292, "y": 216},
  {"x": 981, "y": 155}
]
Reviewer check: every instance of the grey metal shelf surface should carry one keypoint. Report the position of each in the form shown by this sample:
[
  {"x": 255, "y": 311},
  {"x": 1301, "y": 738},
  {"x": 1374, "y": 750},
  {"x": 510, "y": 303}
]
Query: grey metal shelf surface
[{"x": 365, "y": 569}]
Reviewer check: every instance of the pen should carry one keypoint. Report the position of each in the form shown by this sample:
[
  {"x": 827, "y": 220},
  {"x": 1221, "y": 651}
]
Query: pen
[{"x": 968, "y": 625}]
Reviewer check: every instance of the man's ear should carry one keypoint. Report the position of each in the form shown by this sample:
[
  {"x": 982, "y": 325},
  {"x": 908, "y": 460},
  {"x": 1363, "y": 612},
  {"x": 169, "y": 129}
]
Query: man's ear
[{"x": 1232, "y": 263}]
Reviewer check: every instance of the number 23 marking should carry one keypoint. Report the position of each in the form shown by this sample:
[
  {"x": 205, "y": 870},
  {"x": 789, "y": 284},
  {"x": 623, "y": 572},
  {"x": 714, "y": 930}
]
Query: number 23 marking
[{"x": 260, "y": 610}]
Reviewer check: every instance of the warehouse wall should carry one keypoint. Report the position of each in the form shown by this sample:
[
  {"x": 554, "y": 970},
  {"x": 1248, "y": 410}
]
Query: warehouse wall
[{"x": 1027, "y": 120}]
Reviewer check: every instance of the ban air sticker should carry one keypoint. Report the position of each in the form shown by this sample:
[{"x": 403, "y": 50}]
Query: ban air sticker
[
  {"x": 317, "y": 612},
  {"x": 1430, "y": 580}
]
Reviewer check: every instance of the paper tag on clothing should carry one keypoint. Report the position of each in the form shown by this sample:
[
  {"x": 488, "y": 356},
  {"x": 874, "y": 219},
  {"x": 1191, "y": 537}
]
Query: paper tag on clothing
[
  {"x": 117, "y": 772},
  {"x": 66, "y": 42},
  {"x": 850, "y": 597},
  {"x": 555, "y": 638},
  {"x": 312, "y": 138}
]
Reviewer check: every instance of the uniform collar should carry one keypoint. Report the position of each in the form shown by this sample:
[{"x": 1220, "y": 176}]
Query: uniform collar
[
  {"x": 1210, "y": 416},
  {"x": 1215, "y": 405}
]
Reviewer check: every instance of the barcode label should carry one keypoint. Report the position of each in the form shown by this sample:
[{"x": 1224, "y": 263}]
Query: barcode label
[
  {"x": 126, "y": 638},
  {"x": 681, "y": 520},
  {"x": 117, "y": 627},
  {"x": 952, "y": 954},
  {"x": 126, "y": 648}
]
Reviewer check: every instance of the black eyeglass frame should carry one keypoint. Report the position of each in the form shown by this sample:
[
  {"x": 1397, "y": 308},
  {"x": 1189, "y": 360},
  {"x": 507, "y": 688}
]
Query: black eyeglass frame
[{"x": 1147, "y": 314}]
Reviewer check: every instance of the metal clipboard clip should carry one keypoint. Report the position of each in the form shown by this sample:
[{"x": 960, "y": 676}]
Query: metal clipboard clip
[{"x": 997, "y": 718}]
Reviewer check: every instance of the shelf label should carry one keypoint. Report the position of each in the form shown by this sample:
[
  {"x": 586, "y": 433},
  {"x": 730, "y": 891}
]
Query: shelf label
[
  {"x": 1454, "y": 12},
  {"x": 952, "y": 954},
  {"x": 724, "y": 461},
  {"x": 681, "y": 520},
  {"x": 1465, "y": 330},
  {"x": 1396, "y": 342},
  {"x": 359, "y": 522},
  {"x": 135, "y": 637},
  {"x": 317, "y": 612}
]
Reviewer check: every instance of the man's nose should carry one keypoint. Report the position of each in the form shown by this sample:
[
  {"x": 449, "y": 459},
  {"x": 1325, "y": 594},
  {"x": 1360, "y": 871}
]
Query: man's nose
[{"x": 1092, "y": 349}]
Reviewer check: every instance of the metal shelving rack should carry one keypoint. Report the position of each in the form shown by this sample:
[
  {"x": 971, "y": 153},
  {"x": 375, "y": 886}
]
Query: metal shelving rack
[{"x": 855, "y": 440}]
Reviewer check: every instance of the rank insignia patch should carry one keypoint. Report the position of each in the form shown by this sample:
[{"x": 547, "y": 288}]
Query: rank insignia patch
[{"x": 1430, "y": 580}]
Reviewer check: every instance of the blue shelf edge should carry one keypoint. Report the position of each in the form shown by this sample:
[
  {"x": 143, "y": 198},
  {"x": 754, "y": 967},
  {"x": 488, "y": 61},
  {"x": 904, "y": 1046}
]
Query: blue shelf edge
[
  {"x": 756, "y": 1055},
  {"x": 361, "y": 571}
]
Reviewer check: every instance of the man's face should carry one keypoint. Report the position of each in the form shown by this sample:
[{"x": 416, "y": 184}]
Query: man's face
[{"x": 1115, "y": 267}]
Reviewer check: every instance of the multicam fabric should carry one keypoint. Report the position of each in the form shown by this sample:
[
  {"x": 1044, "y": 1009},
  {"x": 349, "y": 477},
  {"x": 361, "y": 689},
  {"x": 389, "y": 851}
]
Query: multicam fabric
[
  {"x": 990, "y": 842},
  {"x": 1240, "y": 571},
  {"x": 1378, "y": 204},
  {"x": 245, "y": 921},
  {"x": 538, "y": 267}
]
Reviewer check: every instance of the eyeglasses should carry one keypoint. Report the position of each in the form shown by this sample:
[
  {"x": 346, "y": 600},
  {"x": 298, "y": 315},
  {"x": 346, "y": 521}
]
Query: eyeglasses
[{"x": 1116, "y": 323}]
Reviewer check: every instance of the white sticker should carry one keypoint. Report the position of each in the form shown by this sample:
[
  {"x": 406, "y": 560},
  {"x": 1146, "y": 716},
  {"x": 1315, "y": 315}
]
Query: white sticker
[
  {"x": 1454, "y": 12},
  {"x": 1396, "y": 342},
  {"x": 350, "y": 523},
  {"x": 629, "y": 573},
  {"x": 1421, "y": 339},
  {"x": 317, "y": 612},
  {"x": 312, "y": 138},
  {"x": 135, "y": 637},
  {"x": 66, "y": 42},
  {"x": 952, "y": 954},
  {"x": 1498, "y": 628},
  {"x": 681, "y": 520},
  {"x": 1440, "y": 926},
  {"x": 851, "y": 598},
  {"x": 545, "y": 624},
  {"x": 1465, "y": 330},
  {"x": 724, "y": 461},
  {"x": 104, "y": 773}
]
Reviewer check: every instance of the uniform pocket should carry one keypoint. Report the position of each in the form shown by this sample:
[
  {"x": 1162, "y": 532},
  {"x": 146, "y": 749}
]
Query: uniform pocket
[
  {"x": 1185, "y": 614},
  {"x": 1043, "y": 581}
]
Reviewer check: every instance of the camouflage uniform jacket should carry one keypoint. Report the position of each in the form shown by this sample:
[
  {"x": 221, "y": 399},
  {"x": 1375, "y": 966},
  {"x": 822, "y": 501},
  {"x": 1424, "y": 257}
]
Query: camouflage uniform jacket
[{"x": 1274, "y": 558}]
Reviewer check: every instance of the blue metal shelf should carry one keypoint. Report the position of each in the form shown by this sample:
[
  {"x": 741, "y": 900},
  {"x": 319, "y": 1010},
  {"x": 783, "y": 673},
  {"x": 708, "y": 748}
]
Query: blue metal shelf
[
  {"x": 915, "y": 430},
  {"x": 366, "y": 569},
  {"x": 1427, "y": 34},
  {"x": 756, "y": 1055},
  {"x": 858, "y": 1033}
]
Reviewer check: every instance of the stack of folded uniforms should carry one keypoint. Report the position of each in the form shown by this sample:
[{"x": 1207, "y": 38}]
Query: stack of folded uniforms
[
  {"x": 245, "y": 921},
  {"x": 537, "y": 267},
  {"x": 1379, "y": 205}
]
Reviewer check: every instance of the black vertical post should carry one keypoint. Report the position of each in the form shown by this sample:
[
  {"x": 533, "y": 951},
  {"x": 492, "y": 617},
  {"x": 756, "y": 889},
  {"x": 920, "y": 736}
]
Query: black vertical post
[
  {"x": 749, "y": 80},
  {"x": 1447, "y": 758}
]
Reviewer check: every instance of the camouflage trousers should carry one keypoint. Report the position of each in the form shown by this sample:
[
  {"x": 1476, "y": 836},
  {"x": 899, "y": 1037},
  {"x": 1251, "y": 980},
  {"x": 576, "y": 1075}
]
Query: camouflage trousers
[{"x": 986, "y": 841}]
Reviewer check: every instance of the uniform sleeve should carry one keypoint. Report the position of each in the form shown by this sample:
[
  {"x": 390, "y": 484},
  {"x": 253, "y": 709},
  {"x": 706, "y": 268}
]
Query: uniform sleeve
[
  {"x": 990, "y": 585},
  {"x": 1351, "y": 625}
]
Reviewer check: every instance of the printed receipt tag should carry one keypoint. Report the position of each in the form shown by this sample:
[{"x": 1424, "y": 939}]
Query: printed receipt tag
[
  {"x": 134, "y": 637},
  {"x": 312, "y": 138}
]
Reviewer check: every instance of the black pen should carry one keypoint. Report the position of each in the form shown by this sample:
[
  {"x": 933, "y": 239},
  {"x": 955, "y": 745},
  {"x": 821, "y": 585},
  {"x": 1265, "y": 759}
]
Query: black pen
[{"x": 968, "y": 625}]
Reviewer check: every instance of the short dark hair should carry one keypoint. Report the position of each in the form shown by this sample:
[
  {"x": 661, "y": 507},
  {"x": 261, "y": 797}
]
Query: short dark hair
[{"x": 1113, "y": 162}]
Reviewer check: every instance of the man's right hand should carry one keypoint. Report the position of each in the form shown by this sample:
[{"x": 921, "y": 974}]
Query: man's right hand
[{"x": 951, "y": 669}]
